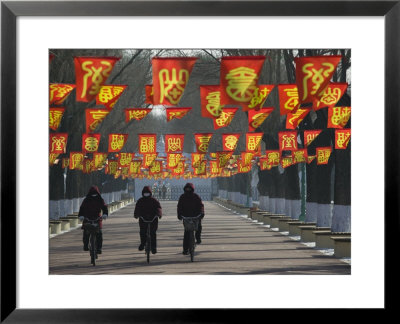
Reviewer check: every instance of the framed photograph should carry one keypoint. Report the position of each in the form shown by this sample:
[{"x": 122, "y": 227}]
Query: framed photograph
[{"x": 30, "y": 28}]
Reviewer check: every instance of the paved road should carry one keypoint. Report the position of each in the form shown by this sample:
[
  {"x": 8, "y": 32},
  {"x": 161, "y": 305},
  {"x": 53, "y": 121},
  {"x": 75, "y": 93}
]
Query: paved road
[{"x": 232, "y": 244}]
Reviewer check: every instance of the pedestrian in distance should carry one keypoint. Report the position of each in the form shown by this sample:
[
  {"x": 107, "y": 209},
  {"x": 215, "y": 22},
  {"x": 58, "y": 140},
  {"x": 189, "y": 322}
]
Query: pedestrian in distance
[
  {"x": 148, "y": 207},
  {"x": 190, "y": 205},
  {"x": 91, "y": 208}
]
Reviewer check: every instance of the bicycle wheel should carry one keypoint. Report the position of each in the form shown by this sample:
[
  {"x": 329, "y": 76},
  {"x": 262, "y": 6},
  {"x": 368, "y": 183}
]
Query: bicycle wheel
[
  {"x": 148, "y": 244},
  {"x": 191, "y": 247},
  {"x": 93, "y": 248}
]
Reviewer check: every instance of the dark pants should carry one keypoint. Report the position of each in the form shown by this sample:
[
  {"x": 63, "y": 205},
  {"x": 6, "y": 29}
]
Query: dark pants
[
  {"x": 153, "y": 233},
  {"x": 99, "y": 238},
  {"x": 197, "y": 235}
]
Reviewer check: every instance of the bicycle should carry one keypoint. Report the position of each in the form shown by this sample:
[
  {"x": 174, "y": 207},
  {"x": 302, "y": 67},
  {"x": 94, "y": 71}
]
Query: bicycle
[
  {"x": 147, "y": 248},
  {"x": 92, "y": 226},
  {"x": 191, "y": 224}
]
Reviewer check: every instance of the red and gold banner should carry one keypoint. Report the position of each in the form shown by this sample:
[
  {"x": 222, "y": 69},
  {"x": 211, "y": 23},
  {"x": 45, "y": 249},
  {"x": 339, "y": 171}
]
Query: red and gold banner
[
  {"x": 230, "y": 141},
  {"x": 239, "y": 78},
  {"x": 116, "y": 142},
  {"x": 112, "y": 167},
  {"x": 149, "y": 94},
  {"x": 53, "y": 158},
  {"x": 294, "y": 119},
  {"x": 299, "y": 156},
  {"x": 179, "y": 169},
  {"x": 136, "y": 113},
  {"x": 214, "y": 169},
  {"x": 244, "y": 167},
  {"x": 88, "y": 166},
  {"x": 177, "y": 113},
  {"x": 246, "y": 158},
  {"x": 313, "y": 74},
  {"x": 174, "y": 143},
  {"x": 264, "y": 165},
  {"x": 134, "y": 167},
  {"x": 323, "y": 154},
  {"x": 342, "y": 138},
  {"x": 259, "y": 97},
  {"x": 65, "y": 163},
  {"x": 90, "y": 142},
  {"x": 170, "y": 77},
  {"x": 147, "y": 143},
  {"x": 173, "y": 160},
  {"x": 338, "y": 117},
  {"x": 197, "y": 158},
  {"x": 210, "y": 98},
  {"x": 223, "y": 158},
  {"x": 226, "y": 117},
  {"x": 59, "y": 92},
  {"x": 76, "y": 160},
  {"x": 94, "y": 117},
  {"x": 287, "y": 161},
  {"x": 331, "y": 96},
  {"x": 109, "y": 95},
  {"x": 99, "y": 159},
  {"x": 55, "y": 117},
  {"x": 58, "y": 143},
  {"x": 200, "y": 169},
  {"x": 310, "y": 158},
  {"x": 257, "y": 117},
  {"x": 155, "y": 167},
  {"x": 287, "y": 141},
  {"x": 310, "y": 135},
  {"x": 124, "y": 159},
  {"x": 273, "y": 158},
  {"x": 148, "y": 159},
  {"x": 90, "y": 74},
  {"x": 253, "y": 142},
  {"x": 288, "y": 98},
  {"x": 202, "y": 141}
]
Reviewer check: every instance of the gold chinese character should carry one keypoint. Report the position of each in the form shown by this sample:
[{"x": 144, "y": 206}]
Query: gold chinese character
[
  {"x": 214, "y": 103},
  {"x": 171, "y": 87},
  {"x": 253, "y": 143},
  {"x": 288, "y": 141},
  {"x": 55, "y": 118},
  {"x": 293, "y": 100},
  {"x": 58, "y": 143},
  {"x": 174, "y": 144},
  {"x": 91, "y": 144},
  {"x": 117, "y": 141},
  {"x": 258, "y": 97},
  {"x": 241, "y": 83},
  {"x": 317, "y": 77},
  {"x": 96, "y": 75},
  {"x": 231, "y": 142}
]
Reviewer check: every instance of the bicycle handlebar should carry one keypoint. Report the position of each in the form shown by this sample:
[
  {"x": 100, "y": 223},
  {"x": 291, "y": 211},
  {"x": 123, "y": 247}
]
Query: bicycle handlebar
[
  {"x": 194, "y": 217},
  {"x": 146, "y": 221},
  {"x": 93, "y": 220}
]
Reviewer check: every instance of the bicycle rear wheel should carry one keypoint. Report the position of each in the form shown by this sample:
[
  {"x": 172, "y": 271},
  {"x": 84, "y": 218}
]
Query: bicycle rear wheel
[
  {"x": 93, "y": 248},
  {"x": 148, "y": 245},
  {"x": 191, "y": 247}
]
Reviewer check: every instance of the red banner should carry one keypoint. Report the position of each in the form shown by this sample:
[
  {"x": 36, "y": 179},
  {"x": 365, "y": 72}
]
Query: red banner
[
  {"x": 259, "y": 97},
  {"x": 246, "y": 158},
  {"x": 147, "y": 143},
  {"x": 294, "y": 119},
  {"x": 210, "y": 98},
  {"x": 313, "y": 74},
  {"x": 124, "y": 159},
  {"x": 112, "y": 167},
  {"x": 136, "y": 113},
  {"x": 53, "y": 158},
  {"x": 94, "y": 117},
  {"x": 264, "y": 165},
  {"x": 55, "y": 117},
  {"x": 287, "y": 161},
  {"x": 197, "y": 158},
  {"x": 257, "y": 117},
  {"x": 239, "y": 78},
  {"x": 155, "y": 167},
  {"x": 287, "y": 141},
  {"x": 331, "y": 96},
  {"x": 116, "y": 142},
  {"x": 311, "y": 158},
  {"x": 200, "y": 169},
  {"x": 202, "y": 141},
  {"x": 323, "y": 154},
  {"x": 173, "y": 160},
  {"x": 179, "y": 169},
  {"x": 109, "y": 95},
  {"x": 170, "y": 77},
  {"x": 76, "y": 160},
  {"x": 65, "y": 163},
  {"x": 230, "y": 141},
  {"x": 338, "y": 117},
  {"x": 273, "y": 157},
  {"x": 174, "y": 143},
  {"x": 342, "y": 138},
  {"x": 214, "y": 169},
  {"x": 99, "y": 159},
  {"x": 90, "y": 74},
  {"x": 58, "y": 143},
  {"x": 88, "y": 166},
  {"x": 90, "y": 143},
  {"x": 134, "y": 167},
  {"x": 226, "y": 117},
  {"x": 59, "y": 92},
  {"x": 288, "y": 98},
  {"x": 223, "y": 158},
  {"x": 253, "y": 141},
  {"x": 177, "y": 113},
  {"x": 299, "y": 156},
  {"x": 149, "y": 94},
  {"x": 148, "y": 159},
  {"x": 310, "y": 135}
]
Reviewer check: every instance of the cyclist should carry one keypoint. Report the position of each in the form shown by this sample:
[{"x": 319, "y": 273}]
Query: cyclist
[
  {"x": 148, "y": 207},
  {"x": 91, "y": 208},
  {"x": 190, "y": 205}
]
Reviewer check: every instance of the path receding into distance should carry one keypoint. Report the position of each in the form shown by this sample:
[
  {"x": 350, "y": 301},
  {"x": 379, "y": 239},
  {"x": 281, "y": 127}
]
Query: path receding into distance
[{"x": 231, "y": 244}]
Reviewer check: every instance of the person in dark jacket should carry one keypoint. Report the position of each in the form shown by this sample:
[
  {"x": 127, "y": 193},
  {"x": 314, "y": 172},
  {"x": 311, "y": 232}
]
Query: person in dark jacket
[
  {"x": 190, "y": 205},
  {"x": 148, "y": 207},
  {"x": 91, "y": 208}
]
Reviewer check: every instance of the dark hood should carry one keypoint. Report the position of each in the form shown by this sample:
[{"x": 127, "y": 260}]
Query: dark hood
[
  {"x": 94, "y": 190},
  {"x": 147, "y": 189},
  {"x": 189, "y": 185}
]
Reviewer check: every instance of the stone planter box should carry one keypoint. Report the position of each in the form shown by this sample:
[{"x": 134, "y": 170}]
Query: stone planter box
[
  {"x": 342, "y": 246},
  {"x": 294, "y": 227},
  {"x": 284, "y": 224},
  {"x": 307, "y": 232},
  {"x": 269, "y": 219},
  {"x": 55, "y": 227}
]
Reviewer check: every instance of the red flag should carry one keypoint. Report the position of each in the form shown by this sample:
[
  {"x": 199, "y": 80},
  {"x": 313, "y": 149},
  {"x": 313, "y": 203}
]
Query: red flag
[
  {"x": 94, "y": 117},
  {"x": 244, "y": 167},
  {"x": 310, "y": 135},
  {"x": 59, "y": 92},
  {"x": 288, "y": 98},
  {"x": 112, "y": 167},
  {"x": 155, "y": 167},
  {"x": 223, "y": 158},
  {"x": 273, "y": 157},
  {"x": 148, "y": 159},
  {"x": 313, "y": 74},
  {"x": 210, "y": 98},
  {"x": 58, "y": 142},
  {"x": 170, "y": 77},
  {"x": 287, "y": 161},
  {"x": 53, "y": 158},
  {"x": 323, "y": 154},
  {"x": 76, "y": 160},
  {"x": 226, "y": 117},
  {"x": 149, "y": 94},
  {"x": 125, "y": 159},
  {"x": 294, "y": 119},
  {"x": 342, "y": 138},
  {"x": 197, "y": 158},
  {"x": 239, "y": 78},
  {"x": 88, "y": 165},
  {"x": 136, "y": 113},
  {"x": 90, "y": 142},
  {"x": 174, "y": 143},
  {"x": 338, "y": 117},
  {"x": 263, "y": 163},
  {"x": 259, "y": 97},
  {"x": 287, "y": 141},
  {"x": 257, "y": 117},
  {"x": 109, "y": 95},
  {"x": 55, "y": 117},
  {"x": 99, "y": 159},
  {"x": 65, "y": 163},
  {"x": 230, "y": 141},
  {"x": 299, "y": 156},
  {"x": 147, "y": 143},
  {"x": 331, "y": 96},
  {"x": 253, "y": 141},
  {"x": 311, "y": 158},
  {"x": 214, "y": 169},
  {"x": 116, "y": 142},
  {"x": 91, "y": 73},
  {"x": 134, "y": 167},
  {"x": 177, "y": 113},
  {"x": 179, "y": 169},
  {"x": 246, "y": 158},
  {"x": 200, "y": 169},
  {"x": 202, "y": 141},
  {"x": 173, "y": 160}
]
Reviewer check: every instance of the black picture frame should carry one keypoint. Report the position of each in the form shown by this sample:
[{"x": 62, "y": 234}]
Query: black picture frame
[{"x": 10, "y": 10}]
